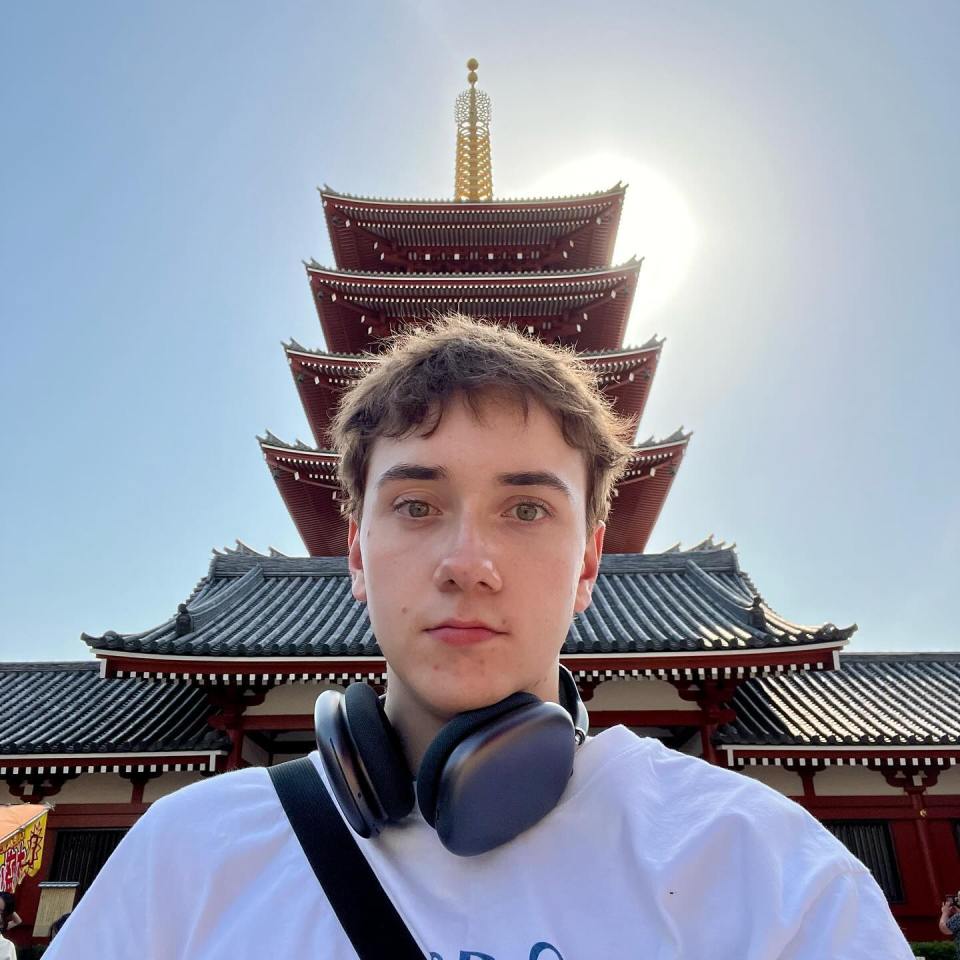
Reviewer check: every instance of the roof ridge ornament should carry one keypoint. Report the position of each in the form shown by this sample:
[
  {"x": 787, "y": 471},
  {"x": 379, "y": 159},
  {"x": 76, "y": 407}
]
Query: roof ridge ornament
[
  {"x": 756, "y": 615},
  {"x": 193, "y": 617},
  {"x": 473, "y": 179},
  {"x": 272, "y": 440}
]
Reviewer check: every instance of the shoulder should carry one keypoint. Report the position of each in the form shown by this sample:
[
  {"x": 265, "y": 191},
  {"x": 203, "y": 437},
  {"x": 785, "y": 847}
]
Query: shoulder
[
  {"x": 701, "y": 789},
  {"x": 953, "y": 923},
  {"x": 215, "y": 827},
  {"x": 212, "y": 791},
  {"x": 688, "y": 824},
  {"x": 684, "y": 800},
  {"x": 220, "y": 806},
  {"x": 644, "y": 765}
]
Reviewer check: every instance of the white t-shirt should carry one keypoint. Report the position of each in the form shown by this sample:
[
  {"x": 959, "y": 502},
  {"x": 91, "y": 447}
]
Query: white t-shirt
[{"x": 650, "y": 854}]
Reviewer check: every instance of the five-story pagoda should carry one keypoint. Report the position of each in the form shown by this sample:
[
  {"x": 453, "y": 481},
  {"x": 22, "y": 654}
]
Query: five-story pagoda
[{"x": 541, "y": 265}]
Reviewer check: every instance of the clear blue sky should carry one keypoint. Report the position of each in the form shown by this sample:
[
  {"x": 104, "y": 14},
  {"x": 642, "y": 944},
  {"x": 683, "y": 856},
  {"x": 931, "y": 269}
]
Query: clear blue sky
[{"x": 158, "y": 196}]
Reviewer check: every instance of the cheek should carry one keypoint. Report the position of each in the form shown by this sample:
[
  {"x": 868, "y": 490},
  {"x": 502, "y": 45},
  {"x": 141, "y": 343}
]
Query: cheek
[
  {"x": 562, "y": 572},
  {"x": 386, "y": 550},
  {"x": 390, "y": 600},
  {"x": 547, "y": 591}
]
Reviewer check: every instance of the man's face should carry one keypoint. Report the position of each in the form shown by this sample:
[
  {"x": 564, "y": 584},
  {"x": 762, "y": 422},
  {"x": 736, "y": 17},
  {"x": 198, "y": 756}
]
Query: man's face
[{"x": 472, "y": 555}]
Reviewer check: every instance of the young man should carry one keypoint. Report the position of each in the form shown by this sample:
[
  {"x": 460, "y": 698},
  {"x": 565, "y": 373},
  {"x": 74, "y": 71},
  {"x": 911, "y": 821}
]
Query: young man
[{"x": 478, "y": 467}]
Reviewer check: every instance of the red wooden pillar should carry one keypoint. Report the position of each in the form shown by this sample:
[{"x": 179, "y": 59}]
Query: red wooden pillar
[
  {"x": 233, "y": 724},
  {"x": 713, "y": 698},
  {"x": 923, "y": 835},
  {"x": 235, "y": 757},
  {"x": 707, "y": 730},
  {"x": 806, "y": 778},
  {"x": 138, "y": 782},
  {"x": 231, "y": 705},
  {"x": 914, "y": 783}
]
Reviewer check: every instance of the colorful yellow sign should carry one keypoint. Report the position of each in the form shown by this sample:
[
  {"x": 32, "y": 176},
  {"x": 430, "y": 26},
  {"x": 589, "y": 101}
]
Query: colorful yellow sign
[{"x": 22, "y": 829}]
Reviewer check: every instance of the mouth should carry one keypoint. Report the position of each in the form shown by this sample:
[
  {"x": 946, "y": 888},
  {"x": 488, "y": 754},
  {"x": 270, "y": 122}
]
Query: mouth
[{"x": 462, "y": 633}]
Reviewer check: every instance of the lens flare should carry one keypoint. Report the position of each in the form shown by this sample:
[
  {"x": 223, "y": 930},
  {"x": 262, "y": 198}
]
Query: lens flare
[{"x": 656, "y": 224}]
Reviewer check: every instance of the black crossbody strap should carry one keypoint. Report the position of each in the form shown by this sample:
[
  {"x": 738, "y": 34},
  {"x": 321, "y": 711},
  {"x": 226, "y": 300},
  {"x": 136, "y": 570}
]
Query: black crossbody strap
[{"x": 364, "y": 910}]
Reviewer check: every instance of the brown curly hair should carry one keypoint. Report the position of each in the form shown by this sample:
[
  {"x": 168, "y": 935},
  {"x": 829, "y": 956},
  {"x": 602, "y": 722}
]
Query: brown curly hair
[{"x": 425, "y": 367}]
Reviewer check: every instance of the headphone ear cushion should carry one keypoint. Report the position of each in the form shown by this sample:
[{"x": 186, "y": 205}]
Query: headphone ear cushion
[
  {"x": 380, "y": 750},
  {"x": 449, "y": 738}
]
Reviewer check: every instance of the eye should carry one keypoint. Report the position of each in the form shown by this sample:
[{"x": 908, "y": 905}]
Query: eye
[
  {"x": 415, "y": 509},
  {"x": 528, "y": 512}
]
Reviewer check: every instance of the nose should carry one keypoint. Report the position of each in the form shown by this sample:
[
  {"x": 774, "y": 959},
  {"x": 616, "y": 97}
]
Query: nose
[{"x": 468, "y": 563}]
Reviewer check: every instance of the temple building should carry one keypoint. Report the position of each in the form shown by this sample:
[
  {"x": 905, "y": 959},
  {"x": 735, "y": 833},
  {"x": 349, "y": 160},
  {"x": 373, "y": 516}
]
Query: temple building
[{"x": 678, "y": 645}]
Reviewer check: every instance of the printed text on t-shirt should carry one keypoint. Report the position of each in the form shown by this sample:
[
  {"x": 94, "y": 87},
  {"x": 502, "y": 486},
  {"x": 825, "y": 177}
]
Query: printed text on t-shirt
[{"x": 537, "y": 951}]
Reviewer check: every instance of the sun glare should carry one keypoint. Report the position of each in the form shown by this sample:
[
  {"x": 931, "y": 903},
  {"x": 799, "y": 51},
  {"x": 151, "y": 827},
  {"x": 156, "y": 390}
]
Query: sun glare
[{"x": 656, "y": 223}]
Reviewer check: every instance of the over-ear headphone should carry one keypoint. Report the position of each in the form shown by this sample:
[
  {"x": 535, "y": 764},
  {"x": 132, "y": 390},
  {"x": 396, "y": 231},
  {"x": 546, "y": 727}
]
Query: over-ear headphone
[{"x": 488, "y": 775}]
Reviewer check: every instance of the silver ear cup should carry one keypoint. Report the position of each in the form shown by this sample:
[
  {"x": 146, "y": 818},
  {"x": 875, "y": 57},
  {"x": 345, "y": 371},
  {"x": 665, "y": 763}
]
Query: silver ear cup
[{"x": 343, "y": 766}]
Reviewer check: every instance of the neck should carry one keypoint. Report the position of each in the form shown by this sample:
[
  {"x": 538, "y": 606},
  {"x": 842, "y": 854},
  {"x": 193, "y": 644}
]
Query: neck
[{"x": 417, "y": 724}]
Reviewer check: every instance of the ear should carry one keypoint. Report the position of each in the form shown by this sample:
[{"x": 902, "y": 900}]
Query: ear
[
  {"x": 591, "y": 567},
  {"x": 355, "y": 562}
]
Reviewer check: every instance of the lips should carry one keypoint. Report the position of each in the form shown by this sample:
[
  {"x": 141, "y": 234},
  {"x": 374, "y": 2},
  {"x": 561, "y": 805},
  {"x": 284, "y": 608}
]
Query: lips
[{"x": 462, "y": 633}]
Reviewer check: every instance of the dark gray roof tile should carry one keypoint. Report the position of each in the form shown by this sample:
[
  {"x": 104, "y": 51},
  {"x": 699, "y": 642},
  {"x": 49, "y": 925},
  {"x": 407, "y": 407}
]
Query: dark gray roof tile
[
  {"x": 257, "y": 606},
  {"x": 55, "y": 708},
  {"x": 872, "y": 700}
]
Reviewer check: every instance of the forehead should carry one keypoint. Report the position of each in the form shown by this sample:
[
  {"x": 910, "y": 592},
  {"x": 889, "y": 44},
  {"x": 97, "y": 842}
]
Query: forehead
[{"x": 494, "y": 435}]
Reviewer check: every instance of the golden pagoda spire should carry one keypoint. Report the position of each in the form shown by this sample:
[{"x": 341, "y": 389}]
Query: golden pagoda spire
[{"x": 474, "y": 177}]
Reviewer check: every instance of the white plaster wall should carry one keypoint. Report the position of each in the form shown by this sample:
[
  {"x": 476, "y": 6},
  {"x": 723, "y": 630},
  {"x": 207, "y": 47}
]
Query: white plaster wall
[
  {"x": 948, "y": 783},
  {"x": 779, "y": 778},
  {"x": 646, "y": 694},
  {"x": 853, "y": 782},
  {"x": 290, "y": 698},
  {"x": 95, "y": 788},
  {"x": 158, "y": 787}
]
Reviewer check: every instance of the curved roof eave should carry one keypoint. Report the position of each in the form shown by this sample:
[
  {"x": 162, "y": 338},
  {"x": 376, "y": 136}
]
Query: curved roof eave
[{"x": 618, "y": 189}]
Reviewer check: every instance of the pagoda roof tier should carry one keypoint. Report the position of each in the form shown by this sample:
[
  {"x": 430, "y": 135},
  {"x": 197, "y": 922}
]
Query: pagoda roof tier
[
  {"x": 74, "y": 720},
  {"x": 625, "y": 376},
  {"x": 320, "y": 379},
  {"x": 307, "y": 481},
  {"x": 876, "y": 708},
  {"x": 400, "y": 236},
  {"x": 585, "y": 309},
  {"x": 265, "y": 619},
  {"x": 642, "y": 491}
]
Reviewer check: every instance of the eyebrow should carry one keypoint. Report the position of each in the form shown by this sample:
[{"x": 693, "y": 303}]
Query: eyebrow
[
  {"x": 411, "y": 471},
  {"x": 535, "y": 478},
  {"x": 525, "y": 478}
]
